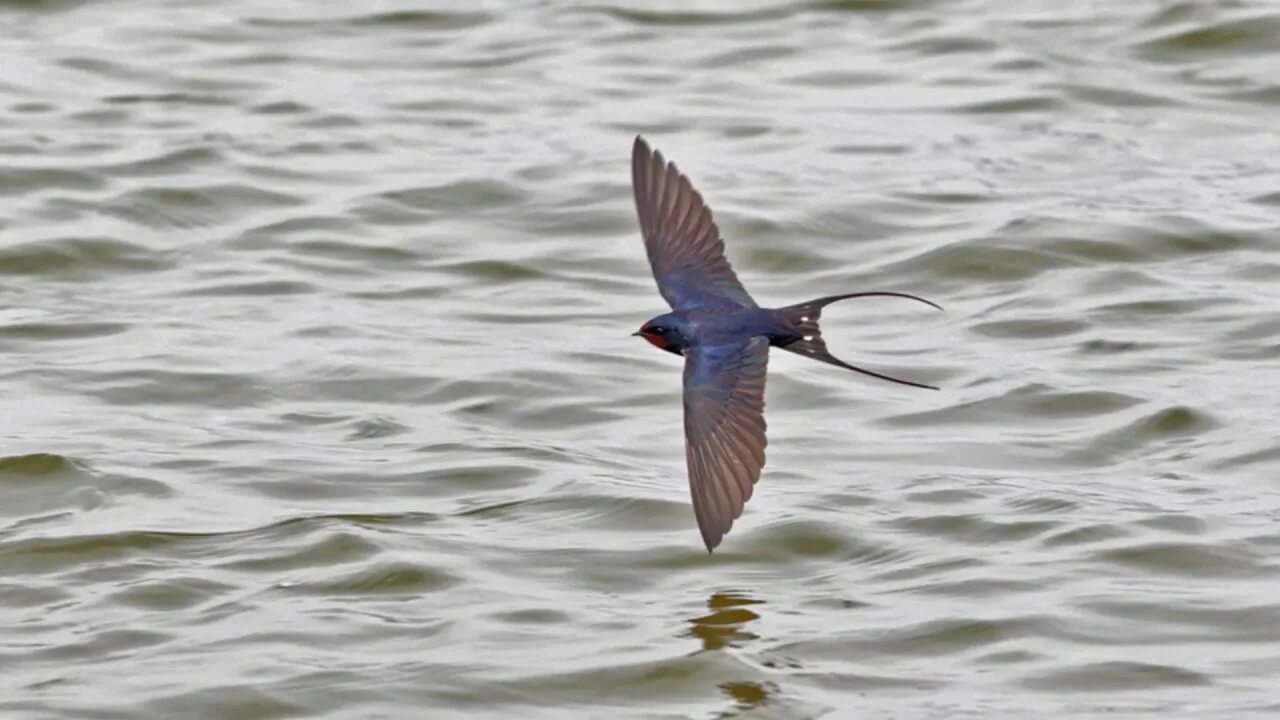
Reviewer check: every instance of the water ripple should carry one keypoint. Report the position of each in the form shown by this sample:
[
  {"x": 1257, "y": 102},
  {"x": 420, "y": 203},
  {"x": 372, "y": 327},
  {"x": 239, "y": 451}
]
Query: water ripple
[{"x": 317, "y": 396}]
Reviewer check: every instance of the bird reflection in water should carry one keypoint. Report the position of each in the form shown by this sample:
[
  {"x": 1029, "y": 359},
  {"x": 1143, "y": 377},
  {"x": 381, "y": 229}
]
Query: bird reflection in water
[
  {"x": 725, "y": 626},
  {"x": 730, "y": 612},
  {"x": 747, "y": 695}
]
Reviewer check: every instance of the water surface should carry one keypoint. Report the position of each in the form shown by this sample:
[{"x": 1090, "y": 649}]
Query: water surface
[{"x": 317, "y": 398}]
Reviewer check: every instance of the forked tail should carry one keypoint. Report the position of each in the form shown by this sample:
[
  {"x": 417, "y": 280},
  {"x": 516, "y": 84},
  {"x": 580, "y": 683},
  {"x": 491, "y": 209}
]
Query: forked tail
[{"x": 805, "y": 316}]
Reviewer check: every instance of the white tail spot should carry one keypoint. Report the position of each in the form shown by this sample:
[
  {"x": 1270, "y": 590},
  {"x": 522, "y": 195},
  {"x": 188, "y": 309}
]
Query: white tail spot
[
  {"x": 808, "y": 338},
  {"x": 804, "y": 318}
]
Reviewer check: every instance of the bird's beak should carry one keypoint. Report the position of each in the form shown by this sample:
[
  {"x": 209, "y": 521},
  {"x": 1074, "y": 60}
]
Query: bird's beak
[{"x": 636, "y": 333}]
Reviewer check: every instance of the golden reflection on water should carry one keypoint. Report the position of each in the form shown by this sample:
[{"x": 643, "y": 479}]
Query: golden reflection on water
[
  {"x": 747, "y": 695},
  {"x": 724, "y": 625}
]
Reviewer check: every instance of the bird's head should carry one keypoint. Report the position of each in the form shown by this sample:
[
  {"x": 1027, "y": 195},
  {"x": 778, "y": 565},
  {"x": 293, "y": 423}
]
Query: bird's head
[{"x": 663, "y": 332}]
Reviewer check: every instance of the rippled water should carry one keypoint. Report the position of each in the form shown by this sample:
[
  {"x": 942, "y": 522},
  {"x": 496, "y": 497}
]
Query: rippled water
[{"x": 317, "y": 397}]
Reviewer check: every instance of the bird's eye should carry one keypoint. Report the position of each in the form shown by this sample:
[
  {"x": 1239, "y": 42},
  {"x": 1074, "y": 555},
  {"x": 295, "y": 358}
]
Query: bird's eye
[{"x": 657, "y": 330}]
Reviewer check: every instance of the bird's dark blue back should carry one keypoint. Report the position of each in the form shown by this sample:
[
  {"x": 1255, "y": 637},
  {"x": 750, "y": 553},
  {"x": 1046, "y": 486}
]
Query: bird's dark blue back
[
  {"x": 750, "y": 322},
  {"x": 717, "y": 324}
]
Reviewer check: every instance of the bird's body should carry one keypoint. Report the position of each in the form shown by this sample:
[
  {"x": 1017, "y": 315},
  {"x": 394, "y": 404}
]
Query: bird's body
[
  {"x": 723, "y": 323},
  {"x": 724, "y": 337}
]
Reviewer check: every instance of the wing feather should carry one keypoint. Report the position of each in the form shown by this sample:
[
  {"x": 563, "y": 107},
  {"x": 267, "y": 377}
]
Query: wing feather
[
  {"x": 681, "y": 239},
  {"x": 724, "y": 431}
]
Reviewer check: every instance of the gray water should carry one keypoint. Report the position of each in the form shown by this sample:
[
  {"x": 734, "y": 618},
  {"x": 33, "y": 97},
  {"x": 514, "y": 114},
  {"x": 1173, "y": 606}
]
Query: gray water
[{"x": 317, "y": 398}]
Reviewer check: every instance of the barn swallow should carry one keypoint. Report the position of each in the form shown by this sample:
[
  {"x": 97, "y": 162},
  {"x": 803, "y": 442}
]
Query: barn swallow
[{"x": 724, "y": 337}]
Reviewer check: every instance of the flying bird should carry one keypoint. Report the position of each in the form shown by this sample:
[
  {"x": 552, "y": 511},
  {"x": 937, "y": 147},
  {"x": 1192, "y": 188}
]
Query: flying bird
[{"x": 724, "y": 337}]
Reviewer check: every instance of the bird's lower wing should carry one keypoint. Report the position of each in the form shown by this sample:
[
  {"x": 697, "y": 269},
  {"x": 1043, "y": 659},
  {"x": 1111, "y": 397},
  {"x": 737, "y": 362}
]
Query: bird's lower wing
[{"x": 724, "y": 430}]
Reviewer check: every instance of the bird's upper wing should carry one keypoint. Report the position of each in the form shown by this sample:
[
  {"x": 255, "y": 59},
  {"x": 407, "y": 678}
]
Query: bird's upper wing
[
  {"x": 724, "y": 430},
  {"x": 682, "y": 241}
]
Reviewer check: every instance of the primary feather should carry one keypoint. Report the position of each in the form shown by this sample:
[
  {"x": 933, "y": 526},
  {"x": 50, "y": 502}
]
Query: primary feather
[
  {"x": 681, "y": 239},
  {"x": 724, "y": 430}
]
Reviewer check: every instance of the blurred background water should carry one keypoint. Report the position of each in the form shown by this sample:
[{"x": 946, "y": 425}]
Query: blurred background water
[{"x": 317, "y": 398}]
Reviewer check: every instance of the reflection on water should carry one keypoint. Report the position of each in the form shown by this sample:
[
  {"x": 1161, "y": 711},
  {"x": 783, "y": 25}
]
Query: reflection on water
[
  {"x": 746, "y": 696},
  {"x": 724, "y": 626}
]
